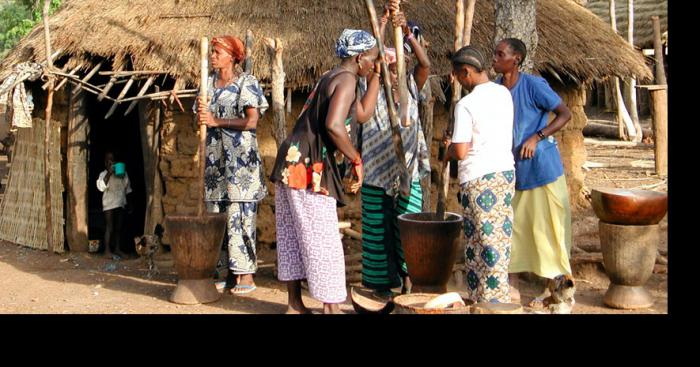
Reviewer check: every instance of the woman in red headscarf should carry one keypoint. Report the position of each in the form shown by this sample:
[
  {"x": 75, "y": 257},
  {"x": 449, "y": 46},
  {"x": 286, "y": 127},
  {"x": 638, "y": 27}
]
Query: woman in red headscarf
[{"x": 233, "y": 176}]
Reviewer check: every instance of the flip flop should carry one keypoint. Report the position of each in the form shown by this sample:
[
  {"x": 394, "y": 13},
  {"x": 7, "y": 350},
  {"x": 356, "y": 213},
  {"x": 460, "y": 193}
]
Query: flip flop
[{"x": 243, "y": 289}]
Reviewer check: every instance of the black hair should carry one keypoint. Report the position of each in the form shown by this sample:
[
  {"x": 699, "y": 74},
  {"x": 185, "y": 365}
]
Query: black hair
[
  {"x": 469, "y": 55},
  {"x": 518, "y": 47}
]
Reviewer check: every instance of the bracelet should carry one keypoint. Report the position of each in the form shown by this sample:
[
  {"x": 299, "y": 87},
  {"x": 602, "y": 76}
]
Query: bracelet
[
  {"x": 541, "y": 135},
  {"x": 357, "y": 161}
]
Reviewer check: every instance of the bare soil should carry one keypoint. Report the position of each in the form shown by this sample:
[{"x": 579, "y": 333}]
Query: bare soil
[{"x": 35, "y": 282}]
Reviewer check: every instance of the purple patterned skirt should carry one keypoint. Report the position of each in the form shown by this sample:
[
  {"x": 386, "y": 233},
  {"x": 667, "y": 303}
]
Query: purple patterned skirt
[{"x": 308, "y": 242}]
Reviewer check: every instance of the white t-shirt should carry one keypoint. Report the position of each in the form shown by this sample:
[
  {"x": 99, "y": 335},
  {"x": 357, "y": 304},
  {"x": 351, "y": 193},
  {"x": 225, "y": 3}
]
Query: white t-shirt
[
  {"x": 114, "y": 193},
  {"x": 484, "y": 117}
]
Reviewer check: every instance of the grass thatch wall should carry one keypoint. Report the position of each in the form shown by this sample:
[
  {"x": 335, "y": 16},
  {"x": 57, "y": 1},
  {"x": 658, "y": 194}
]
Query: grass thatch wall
[{"x": 643, "y": 10}]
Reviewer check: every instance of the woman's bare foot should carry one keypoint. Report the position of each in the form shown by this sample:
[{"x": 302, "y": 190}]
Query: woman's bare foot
[
  {"x": 297, "y": 310},
  {"x": 331, "y": 309}
]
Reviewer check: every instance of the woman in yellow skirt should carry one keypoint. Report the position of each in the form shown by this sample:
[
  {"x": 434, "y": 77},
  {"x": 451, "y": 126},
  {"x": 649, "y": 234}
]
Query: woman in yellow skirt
[{"x": 542, "y": 216}]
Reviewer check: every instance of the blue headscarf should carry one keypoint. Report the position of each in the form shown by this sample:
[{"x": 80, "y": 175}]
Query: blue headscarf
[{"x": 353, "y": 42}]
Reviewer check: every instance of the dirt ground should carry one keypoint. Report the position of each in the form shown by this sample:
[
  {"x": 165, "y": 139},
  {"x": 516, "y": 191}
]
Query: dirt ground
[{"x": 35, "y": 282}]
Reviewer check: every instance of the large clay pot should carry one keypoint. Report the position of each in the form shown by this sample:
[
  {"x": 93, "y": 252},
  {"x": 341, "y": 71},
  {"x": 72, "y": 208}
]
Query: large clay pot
[
  {"x": 430, "y": 248},
  {"x": 196, "y": 243},
  {"x": 629, "y": 254}
]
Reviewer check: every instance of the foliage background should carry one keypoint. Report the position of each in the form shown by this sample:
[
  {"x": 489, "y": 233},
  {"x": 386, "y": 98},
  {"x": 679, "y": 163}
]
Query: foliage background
[{"x": 17, "y": 18}]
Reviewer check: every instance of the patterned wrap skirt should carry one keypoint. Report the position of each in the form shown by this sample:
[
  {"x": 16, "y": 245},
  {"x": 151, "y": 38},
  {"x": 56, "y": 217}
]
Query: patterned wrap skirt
[
  {"x": 383, "y": 262},
  {"x": 488, "y": 227},
  {"x": 240, "y": 234},
  {"x": 308, "y": 242}
]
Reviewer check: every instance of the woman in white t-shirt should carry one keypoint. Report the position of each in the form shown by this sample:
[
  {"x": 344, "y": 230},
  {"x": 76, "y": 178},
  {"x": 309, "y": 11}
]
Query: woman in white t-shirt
[
  {"x": 482, "y": 142},
  {"x": 114, "y": 190}
]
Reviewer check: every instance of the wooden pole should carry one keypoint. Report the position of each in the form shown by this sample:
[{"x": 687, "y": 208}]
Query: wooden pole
[
  {"x": 659, "y": 118},
  {"x": 76, "y": 175},
  {"x": 444, "y": 186},
  {"x": 88, "y": 76},
  {"x": 143, "y": 90},
  {"x": 468, "y": 21},
  {"x": 248, "y": 65},
  {"x": 203, "y": 91},
  {"x": 631, "y": 95},
  {"x": 405, "y": 181},
  {"x": 289, "y": 100},
  {"x": 275, "y": 50},
  {"x": 624, "y": 120},
  {"x": 47, "y": 135},
  {"x": 658, "y": 53},
  {"x": 401, "y": 73}
]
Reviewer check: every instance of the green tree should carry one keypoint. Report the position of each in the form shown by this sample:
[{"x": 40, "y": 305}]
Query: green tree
[{"x": 17, "y": 18}]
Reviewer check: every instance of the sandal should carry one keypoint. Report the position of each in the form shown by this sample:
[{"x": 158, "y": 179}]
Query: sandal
[{"x": 243, "y": 289}]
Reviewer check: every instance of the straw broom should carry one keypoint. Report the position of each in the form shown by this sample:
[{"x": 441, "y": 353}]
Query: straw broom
[{"x": 405, "y": 182}]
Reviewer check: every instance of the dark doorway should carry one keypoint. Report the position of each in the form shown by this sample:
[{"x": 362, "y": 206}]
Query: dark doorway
[{"x": 121, "y": 135}]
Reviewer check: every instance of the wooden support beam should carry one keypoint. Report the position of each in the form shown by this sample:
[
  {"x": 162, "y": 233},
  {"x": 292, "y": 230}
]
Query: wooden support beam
[
  {"x": 121, "y": 95},
  {"x": 659, "y": 119},
  {"x": 658, "y": 53},
  {"x": 158, "y": 95},
  {"x": 47, "y": 141},
  {"x": 248, "y": 63},
  {"x": 87, "y": 77},
  {"x": 63, "y": 69},
  {"x": 109, "y": 85},
  {"x": 87, "y": 86},
  {"x": 77, "y": 174},
  {"x": 275, "y": 50},
  {"x": 289, "y": 100},
  {"x": 73, "y": 72},
  {"x": 143, "y": 90},
  {"x": 120, "y": 73}
]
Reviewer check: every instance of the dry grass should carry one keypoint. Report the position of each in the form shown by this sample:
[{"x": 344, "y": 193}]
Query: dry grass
[{"x": 143, "y": 33}]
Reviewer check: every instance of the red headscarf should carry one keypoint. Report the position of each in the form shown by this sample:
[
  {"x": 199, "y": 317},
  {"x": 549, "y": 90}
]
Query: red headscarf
[{"x": 231, "y": 45}]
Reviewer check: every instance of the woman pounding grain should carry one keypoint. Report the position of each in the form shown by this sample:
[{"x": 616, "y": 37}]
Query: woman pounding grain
[{"x": 308, "y": 182}]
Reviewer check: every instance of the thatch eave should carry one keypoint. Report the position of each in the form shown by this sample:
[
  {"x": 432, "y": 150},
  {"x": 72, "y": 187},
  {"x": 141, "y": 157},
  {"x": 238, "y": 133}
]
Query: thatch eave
[{"x": 150, "y": 36}]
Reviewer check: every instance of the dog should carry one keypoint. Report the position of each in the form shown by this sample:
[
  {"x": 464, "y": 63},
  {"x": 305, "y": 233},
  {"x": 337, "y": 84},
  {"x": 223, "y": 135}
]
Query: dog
[
  {"x": 147, "y": 246},
  {"x": 558, "y": 296}
]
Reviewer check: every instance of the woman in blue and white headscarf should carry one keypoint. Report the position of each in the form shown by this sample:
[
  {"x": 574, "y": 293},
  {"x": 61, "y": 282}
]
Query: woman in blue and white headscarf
[{"x": 308, "y": 182}]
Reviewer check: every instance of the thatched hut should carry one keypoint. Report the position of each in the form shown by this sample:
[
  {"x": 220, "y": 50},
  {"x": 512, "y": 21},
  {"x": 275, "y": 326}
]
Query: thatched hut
[
  {"x": 575, "y": 48},
  {"x": 643, "y": 11}
]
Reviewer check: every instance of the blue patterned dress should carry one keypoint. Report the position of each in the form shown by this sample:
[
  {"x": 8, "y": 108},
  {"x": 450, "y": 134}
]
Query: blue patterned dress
[{"x": 234, "y": 170}]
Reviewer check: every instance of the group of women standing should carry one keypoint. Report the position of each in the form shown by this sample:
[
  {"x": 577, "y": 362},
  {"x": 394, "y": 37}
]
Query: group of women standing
[{"x": 309, "y": 184}]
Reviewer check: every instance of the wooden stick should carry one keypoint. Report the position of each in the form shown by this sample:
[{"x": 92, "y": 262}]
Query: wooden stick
[
  {"x": 157, "y": 95},
  {"x": 88, "y": 76},
  {"x": 248, "y": 64},
  {"x": 658, "y": 53},
  {"x": 121, "y": 95},
  {"x": 401, "y": 72},
  {"x": 444, "y": 186},
  {"x": 47, "y": 133},
  {"x": 109, "y": 85},
  {"x": 143, "y": 90},
  {"x": 89, "y": 87},
  {"x": 275, "y": 50},
  {"x": 64, "y": 81},
  {"x": 405, "y": 182},
  {"x": 64, "y": 68},
  {"x": 120, "y": 73},
  {"x": 203, "y": 91},
  {"x": 468, "y": 21}
]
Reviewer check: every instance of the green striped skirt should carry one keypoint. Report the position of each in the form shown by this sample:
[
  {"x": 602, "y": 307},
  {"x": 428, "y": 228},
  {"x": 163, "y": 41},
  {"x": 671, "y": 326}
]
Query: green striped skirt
[{"x": 383, "y": 262}]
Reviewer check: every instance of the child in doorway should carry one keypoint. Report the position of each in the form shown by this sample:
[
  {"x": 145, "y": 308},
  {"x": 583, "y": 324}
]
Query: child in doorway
[{"x": 114, "y": 189}]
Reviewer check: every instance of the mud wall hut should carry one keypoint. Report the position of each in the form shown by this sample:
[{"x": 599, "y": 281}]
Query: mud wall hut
[{"x": 152, "y": 47}]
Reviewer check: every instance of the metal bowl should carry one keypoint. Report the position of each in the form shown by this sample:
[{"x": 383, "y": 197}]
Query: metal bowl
[{"x": 629, "y": 206}]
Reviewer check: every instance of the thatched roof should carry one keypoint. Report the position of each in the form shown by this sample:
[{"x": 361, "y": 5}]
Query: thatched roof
[
  {"x": 154, "y": 35},
  {"x": 643, "y": 10}
]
